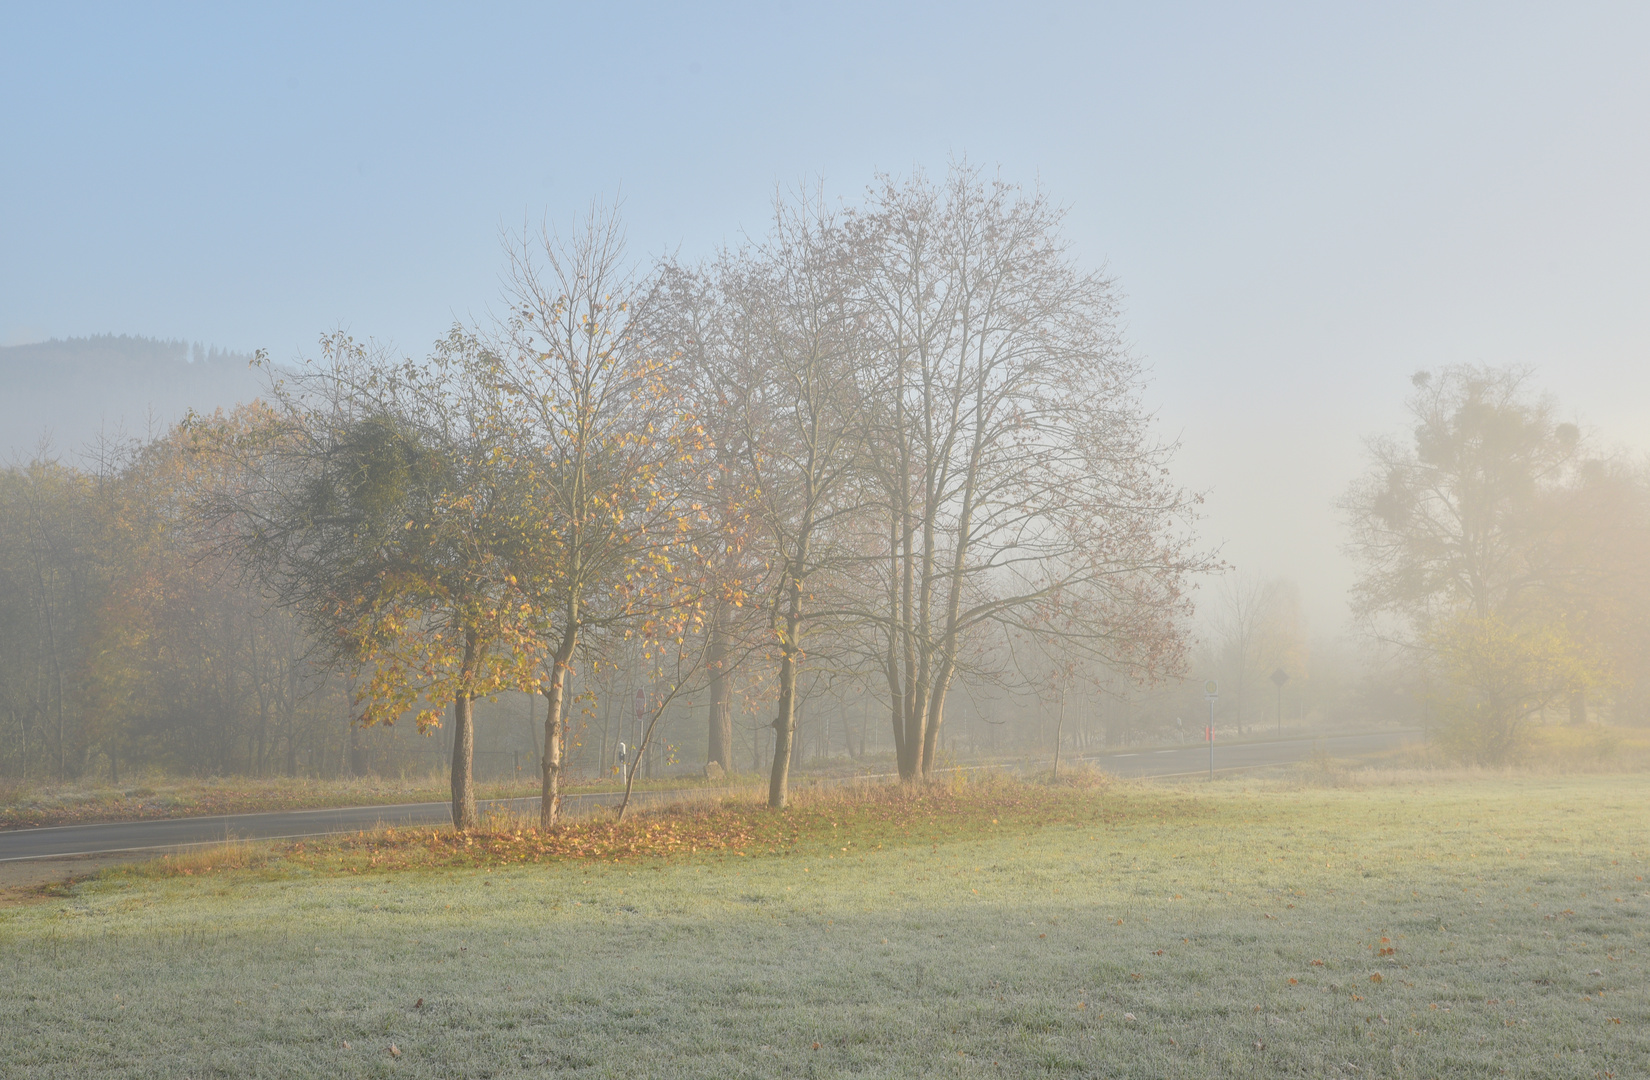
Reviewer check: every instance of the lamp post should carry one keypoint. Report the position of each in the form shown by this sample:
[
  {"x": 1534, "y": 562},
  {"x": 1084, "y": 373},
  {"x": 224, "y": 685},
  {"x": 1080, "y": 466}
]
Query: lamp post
[
  {"x": 1279, "y": 677},
  {"x": 1210, "y": 692}
]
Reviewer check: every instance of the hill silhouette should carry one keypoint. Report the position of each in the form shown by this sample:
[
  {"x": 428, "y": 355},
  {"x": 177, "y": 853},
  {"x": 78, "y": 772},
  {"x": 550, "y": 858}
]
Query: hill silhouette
[{"x": 62, "y": 395}]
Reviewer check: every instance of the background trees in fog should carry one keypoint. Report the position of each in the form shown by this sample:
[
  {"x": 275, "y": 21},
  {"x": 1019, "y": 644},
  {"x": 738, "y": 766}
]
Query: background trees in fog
[
  {"x": 1505, "y": 552},
  {"x": 1255, "y": 630}
]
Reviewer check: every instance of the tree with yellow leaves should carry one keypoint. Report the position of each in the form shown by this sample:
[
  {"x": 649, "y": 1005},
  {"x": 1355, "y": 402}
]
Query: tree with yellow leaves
[
  {"x": 374, "y": 503},
  {"x": 1496, "y": 677},
  {"x": 609, "y": 509}
]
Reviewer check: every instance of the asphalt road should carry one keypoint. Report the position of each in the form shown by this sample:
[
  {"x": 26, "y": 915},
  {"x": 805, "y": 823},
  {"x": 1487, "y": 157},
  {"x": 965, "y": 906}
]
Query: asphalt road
[{"x": 142, "y": 837}]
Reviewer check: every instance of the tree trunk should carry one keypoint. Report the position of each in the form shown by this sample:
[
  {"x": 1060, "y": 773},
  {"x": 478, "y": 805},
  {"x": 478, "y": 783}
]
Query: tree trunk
[
  {"x": 357, "y": 753},
  {"x": 1059, "y": 728},
  {"x": 554, "y": 728},
  {"x": 464, "y": 747},
  {"x": 931, "y": 730},
  {"x": 720, "y": 742},
  {"x": 784, "y": 724},
  {"x": 784, "y": 727}
]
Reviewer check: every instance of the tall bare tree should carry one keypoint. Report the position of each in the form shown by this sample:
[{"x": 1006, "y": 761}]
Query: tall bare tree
[
  {"x": 694, "y": 314},
  {"x": 1014, "y": 459},
  {"x": 796, "y": 388}
]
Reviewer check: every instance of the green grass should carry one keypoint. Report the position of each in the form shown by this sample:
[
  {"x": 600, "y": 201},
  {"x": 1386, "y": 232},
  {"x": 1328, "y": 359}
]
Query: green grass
[{"x": 1139, "y": 931}]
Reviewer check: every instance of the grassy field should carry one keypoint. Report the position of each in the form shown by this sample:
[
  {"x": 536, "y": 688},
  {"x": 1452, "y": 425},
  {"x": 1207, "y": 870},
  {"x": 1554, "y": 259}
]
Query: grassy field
[{"x": 1479, "y": 927}]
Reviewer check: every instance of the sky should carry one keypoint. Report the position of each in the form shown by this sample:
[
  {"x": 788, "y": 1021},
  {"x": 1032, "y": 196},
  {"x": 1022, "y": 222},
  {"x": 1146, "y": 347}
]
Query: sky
[{"x": 1302, "y": 204}]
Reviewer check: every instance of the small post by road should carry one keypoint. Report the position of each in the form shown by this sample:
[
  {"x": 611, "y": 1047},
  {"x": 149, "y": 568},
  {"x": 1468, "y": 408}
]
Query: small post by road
[
  {"x": 1279, "y": 677},
  {"x": 1210, "y": 692}
]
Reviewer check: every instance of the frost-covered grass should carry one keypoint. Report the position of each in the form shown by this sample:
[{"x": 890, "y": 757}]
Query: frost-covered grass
[{"x": 1232, "y": 930}]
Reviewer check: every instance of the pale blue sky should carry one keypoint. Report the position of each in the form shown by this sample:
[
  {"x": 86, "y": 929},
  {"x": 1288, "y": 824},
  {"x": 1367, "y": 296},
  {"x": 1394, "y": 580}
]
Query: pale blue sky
[{"x": 1302, "y": 203}]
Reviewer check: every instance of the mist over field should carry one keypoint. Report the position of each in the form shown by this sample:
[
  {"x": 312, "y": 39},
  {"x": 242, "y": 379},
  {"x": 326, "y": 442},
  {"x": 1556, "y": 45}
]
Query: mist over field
[{"x": 837, "y": 508}]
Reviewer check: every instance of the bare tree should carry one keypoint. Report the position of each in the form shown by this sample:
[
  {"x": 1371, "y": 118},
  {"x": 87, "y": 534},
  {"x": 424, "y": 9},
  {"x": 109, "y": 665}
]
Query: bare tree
[
  {"x": 1014, "y": 459},
  {"x": 695, "y": 313},
  {"x": 796, "y": 391}
]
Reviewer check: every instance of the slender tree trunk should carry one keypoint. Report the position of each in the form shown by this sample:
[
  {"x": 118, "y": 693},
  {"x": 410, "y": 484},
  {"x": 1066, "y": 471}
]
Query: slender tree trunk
[
  {"x": 784, "y": 724},
  {"x": 62, "y": 760},
  {"x": 720, "y": 741},
  {"x": 784, "y": 727},
  {"x": 464, "y": 747},
  {"x": 1059, "y": 728},
  {"x": 918, "y": 726},
  {"x": 358, "y": 753},
  {"x": 555, "y": 726},
  {"x": 890, "y": 661},
  {"x": 935, "y": 716}
]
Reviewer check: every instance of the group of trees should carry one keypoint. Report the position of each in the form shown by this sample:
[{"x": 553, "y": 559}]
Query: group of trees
[
  {"x": 1509, "y": 557},
  {"x": 900, "y": 441},
  {"x": 123, "y": 640},
  {"x": 879, "y": 452}
]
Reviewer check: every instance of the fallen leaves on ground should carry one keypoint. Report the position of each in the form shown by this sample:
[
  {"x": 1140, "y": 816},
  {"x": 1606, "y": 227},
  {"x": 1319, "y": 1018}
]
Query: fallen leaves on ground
[{"x": 733, "y": 826}]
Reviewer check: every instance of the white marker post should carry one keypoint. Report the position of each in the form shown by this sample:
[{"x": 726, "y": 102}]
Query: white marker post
[{"x": 1210, "y": 692}]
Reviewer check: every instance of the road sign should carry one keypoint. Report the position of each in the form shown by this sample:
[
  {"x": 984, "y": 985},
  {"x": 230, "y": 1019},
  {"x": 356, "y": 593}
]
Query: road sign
[
  {"x": 1279, "y": 677},
  {"x": 641, "y": 704},
  {"x": 1211, "y": 690}
]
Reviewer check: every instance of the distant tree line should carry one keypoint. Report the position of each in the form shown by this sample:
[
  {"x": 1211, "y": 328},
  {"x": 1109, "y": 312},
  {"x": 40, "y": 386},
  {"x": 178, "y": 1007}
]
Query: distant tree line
[{"x": 124, "y": 640}]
